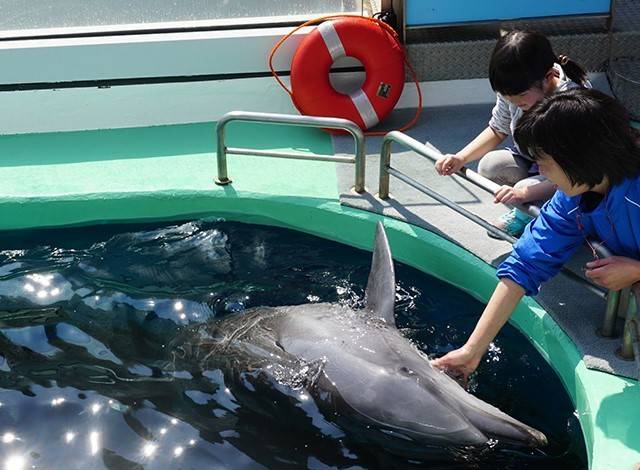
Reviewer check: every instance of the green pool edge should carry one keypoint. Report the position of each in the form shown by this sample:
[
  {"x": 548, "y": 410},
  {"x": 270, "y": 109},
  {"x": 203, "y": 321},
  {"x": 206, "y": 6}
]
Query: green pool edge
[{"x": 606, "y": 405}]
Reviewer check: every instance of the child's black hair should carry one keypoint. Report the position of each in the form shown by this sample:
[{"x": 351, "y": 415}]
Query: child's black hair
[
  {"x": 587, "y": 133},
  {"x": 521, "y": 59}
]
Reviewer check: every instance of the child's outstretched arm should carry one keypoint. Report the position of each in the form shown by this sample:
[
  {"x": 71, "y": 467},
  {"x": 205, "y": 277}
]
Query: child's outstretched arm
[{"x": 465, "y": 360}]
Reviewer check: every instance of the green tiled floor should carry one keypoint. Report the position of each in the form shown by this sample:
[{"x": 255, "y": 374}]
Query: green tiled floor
[{"x": 46, "y": 177}]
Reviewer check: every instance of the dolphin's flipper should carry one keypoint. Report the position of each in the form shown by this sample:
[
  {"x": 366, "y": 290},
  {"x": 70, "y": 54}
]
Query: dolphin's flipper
[{"x": 381, "y": 286}]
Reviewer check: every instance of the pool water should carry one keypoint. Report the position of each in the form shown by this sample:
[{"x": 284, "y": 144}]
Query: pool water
[{"x": 87, "y": 316}]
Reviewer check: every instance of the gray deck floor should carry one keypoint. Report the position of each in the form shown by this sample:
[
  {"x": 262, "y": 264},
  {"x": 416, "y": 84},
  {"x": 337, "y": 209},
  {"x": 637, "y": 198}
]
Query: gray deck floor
[{"x": 578, "y": 311}]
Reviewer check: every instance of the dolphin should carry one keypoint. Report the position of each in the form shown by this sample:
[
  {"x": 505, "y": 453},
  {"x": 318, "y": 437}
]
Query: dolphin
[{"x": 356, "y": 366}]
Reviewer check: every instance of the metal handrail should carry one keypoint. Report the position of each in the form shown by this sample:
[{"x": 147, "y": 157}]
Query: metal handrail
[
  {"x": 631, "y": 339},
  {"x": 631, "y": 335},
  {"x": 433, "y": 154},
  {"x": 616, "y": 300},
  {"x": 293, "y": 120}
]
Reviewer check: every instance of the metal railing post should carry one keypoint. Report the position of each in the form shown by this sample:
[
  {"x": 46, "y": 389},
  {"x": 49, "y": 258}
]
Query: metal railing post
[
  {"x": 623, "y": 303},
  {"x": 610, "y": 314},
  {"x": 361, "y": 159},
  {"x": 222, "y": 178},
  {"x": 385, "y": 156},
  {"x": 629, "y": 334},
  {"x": 614, "y": 298},
  {"x": 385, "y": 163},
  {"x": 433, "y": 154},
  {"x": 293, "y": 120},
  {"x": 630, "y": 348}
]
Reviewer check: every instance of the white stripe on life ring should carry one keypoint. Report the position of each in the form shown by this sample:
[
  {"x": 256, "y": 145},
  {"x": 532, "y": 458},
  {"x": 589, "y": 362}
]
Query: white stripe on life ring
[
  {"x": 331, "y": 40},
  {"x": 365, "y": 108},
  {"x": 336, "y": 50}
]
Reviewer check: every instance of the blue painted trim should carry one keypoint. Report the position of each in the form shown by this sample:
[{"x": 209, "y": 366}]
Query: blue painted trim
[{"x": 432, "y": 12}]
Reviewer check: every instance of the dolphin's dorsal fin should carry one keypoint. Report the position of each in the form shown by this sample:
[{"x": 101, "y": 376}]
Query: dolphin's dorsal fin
[{"x": 381, "y": 286}]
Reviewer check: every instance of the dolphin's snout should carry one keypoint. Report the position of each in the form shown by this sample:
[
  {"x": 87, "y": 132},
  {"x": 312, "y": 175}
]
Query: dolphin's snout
[{"x": 538, "y": 439}]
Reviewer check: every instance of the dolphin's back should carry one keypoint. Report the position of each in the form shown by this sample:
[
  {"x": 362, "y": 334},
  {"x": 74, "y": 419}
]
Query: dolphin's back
[
  {"x": 364, "y": 363},
  {"x": 383, "y": 376}
]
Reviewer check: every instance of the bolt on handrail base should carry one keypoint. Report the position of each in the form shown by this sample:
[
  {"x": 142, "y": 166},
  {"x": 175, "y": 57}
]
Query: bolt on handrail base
[{"x": 222, "y": 182}]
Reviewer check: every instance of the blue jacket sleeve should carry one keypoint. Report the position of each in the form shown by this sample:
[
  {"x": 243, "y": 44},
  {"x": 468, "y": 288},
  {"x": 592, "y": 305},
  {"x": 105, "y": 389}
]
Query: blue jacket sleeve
[{"x": 546, "y": 244}]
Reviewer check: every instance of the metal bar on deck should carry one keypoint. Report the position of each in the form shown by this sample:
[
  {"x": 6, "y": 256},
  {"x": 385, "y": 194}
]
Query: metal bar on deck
[
  {"x": 610, "y": 314},
  {"x": 630, "y": 348},
  {"x": 293, "y": 120},
  {"x": 452, "y": 205},
  {"x": 616, "y": 300},
  {"x": 292, "y": 156},
  {"x": 432, "y": 153}
]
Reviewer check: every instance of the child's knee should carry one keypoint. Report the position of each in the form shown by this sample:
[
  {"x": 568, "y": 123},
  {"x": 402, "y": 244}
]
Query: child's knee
[
  {"x": 499, "y": 166},
  {"x": 490, "y": 165}
]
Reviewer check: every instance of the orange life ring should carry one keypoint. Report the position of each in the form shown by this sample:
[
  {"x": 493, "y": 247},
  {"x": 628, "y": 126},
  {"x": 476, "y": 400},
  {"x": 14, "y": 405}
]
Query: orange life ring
[{"x": 374, "y": 46}]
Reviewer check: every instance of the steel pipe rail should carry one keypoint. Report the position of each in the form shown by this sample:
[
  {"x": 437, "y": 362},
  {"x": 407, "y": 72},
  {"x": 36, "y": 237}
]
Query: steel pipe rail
[
  {"x": 616, "y": 299},
  {"x": 292, "y": 120},
  {"x": 450, "y": 204},
  {"x": 630, "y": 348},
  {"x": 430, "y": 152}
]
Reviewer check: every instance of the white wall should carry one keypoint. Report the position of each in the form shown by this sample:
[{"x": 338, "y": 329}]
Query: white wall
[{"x": 162, "y": 56}]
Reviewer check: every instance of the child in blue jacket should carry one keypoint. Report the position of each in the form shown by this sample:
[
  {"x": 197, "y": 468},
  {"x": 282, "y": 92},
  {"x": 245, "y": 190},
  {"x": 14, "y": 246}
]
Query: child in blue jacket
[{"x": 582, "y": 142}]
